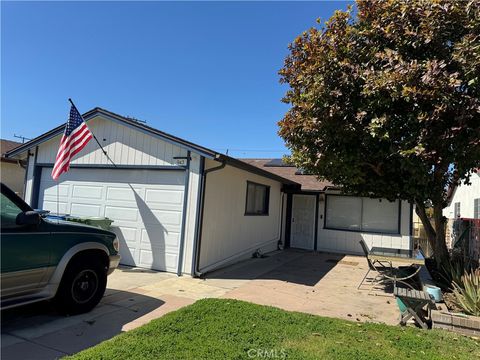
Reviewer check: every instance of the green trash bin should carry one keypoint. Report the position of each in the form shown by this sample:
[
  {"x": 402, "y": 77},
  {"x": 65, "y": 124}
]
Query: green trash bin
[
  {"x": 100, "y": 222},
  {"x": 77, "y": 219}
]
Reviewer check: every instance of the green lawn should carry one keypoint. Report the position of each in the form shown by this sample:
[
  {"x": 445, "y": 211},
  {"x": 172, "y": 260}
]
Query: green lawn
[{"x": 230, "y": 329}]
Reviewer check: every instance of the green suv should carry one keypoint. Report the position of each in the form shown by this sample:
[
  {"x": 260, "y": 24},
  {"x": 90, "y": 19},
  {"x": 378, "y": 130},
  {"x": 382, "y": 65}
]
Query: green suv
[{"x": 45, "y": 259}]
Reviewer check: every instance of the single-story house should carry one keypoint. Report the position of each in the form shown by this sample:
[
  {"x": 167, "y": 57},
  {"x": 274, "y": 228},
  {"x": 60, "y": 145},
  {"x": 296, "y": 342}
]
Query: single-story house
[
  {"x": 12, "y": 171},
  {"x": 180, "y": 207},
  {"x": 464, "y": 200},
  {"x": 319, "y": 217},
  {"x": 463, "y": 206}
]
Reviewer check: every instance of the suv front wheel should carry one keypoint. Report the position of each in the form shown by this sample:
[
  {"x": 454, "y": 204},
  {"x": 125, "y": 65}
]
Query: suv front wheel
[{"x": 82, "y": 286}]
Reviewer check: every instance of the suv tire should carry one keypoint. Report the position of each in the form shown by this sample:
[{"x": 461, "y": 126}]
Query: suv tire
[{"x": 82, "y": 286}]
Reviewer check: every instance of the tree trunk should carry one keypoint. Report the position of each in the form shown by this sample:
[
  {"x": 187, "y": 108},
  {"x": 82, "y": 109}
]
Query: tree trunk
[
  {"x": 435, "y": 236},
  {"x": 440, "y": 250}
]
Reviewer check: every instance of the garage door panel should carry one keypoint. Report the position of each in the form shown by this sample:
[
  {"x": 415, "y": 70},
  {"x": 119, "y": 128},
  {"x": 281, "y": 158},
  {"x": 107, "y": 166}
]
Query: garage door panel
[
  {"x": 87, "y": 192},
  {"x": 51, "y": 189},
  {"x": 122, "y": 193},
  {"x": 129, "y": 256},
  {"x": 158, "y": 260},
  {"x": 131, "y": 177},
  {"x": 121, "y": 213},
  {"x": 164, "y": 196},
  {"x": 162, "y": 217},
  {"x": 166, "y": 178},
  {"x": 52, "y": 207},
  {"x": 129, "y": 234},
  {"x": 161, "y": 239},
  {"x": 145, "y": 205},
  {"x": 85, "y": 209},
  {"x": 164, "y": 207}
]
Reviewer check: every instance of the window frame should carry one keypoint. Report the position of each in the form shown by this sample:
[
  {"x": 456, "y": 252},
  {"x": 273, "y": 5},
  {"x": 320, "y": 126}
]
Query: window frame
[
  {"x": 399, "y": 220},
  {"x": 266, "y": 203},
  {"x": 476, "y": 208},
  {"x": 457, "y": 215}
]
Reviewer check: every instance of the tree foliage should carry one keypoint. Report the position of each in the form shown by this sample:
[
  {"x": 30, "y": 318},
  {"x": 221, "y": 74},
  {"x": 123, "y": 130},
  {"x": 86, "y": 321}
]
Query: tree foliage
[{"x": 386, "y": 103}]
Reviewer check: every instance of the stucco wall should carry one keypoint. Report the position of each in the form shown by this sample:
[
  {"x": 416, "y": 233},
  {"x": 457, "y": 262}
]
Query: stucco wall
[
  {"x": 465, "y": 194},
  {"x": 228, "y": 234},
  {"x": 348, "y": 241},
  {"x": 13, "y": 175}
]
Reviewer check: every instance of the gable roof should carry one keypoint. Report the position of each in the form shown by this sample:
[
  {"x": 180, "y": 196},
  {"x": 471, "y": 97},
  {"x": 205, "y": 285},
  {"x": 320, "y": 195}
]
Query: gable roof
[
  {"x": 275, "y": 166},
  {"x": 5, "y": 146},
  {"x": 118, "y": 118},
  {"x": 150, "y": 130}
]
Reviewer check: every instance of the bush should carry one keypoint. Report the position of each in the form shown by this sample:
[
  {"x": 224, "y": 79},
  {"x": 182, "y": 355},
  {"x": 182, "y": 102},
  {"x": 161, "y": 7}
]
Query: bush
[
  {"x": 453, "y": 271},
  {"x": 467, "y": 293}
]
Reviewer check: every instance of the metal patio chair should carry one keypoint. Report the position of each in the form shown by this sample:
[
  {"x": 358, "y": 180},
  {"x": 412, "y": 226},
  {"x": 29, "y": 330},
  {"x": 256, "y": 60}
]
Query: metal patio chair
[{"x": 380, "y": 267}]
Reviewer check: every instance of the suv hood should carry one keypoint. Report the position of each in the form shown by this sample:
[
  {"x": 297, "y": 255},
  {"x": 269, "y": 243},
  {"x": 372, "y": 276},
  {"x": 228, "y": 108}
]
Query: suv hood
[{"x": 71, "y": 226}]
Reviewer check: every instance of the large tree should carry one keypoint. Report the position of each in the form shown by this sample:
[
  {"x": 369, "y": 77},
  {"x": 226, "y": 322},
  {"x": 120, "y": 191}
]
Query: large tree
[{"x": 385, "y": 102}]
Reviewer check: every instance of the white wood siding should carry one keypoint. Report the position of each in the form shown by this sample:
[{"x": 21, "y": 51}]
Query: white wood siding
[
  {"x": 125, "y": 145},
  {"x": 465, "y": 195},
  {"x": 128, "y": 146},
  {"x": 348, "y": 241},
  {"x": 227, "y": 234}
]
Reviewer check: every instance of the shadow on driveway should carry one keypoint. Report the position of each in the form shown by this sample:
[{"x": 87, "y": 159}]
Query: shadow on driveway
[
  {"x": 37, "y": 331},
  {"x": 291, "y": 265}
]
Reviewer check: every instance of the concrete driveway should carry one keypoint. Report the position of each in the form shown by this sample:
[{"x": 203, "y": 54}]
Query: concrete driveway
[{"x": 317, "y": 283}]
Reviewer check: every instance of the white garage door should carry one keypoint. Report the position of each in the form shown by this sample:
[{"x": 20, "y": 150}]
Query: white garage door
[{"x": 146, "y": 206}]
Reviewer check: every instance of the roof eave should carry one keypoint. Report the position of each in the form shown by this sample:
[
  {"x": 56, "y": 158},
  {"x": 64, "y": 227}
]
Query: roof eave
[{"x": 254, "y": 169}]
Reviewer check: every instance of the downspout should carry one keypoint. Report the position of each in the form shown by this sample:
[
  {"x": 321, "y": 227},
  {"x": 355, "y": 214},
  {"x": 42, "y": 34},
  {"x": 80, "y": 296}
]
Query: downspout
[
  {"x": 281, "y": 245},
  {"x": 184, "y": 217},
  {"x": 199, "y": 219}
]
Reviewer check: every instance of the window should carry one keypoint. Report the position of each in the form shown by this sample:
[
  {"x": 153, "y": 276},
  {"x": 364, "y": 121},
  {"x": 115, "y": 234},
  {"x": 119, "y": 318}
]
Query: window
[
  {"x": 9, "y": 212},
  {"x": 362, "y": 214},
  {"x": 476, "y": 208},
  {"x": 456, "y": 211},
  {"x": 257, "y": 199}
]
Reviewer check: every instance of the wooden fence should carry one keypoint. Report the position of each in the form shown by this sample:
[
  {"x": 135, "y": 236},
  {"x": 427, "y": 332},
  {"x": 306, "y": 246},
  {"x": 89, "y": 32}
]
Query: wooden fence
[{"x": 454, "y": 230}]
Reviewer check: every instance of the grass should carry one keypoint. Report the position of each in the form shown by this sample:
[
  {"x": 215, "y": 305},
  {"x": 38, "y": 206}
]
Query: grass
[{"x": 230, "y": 329}]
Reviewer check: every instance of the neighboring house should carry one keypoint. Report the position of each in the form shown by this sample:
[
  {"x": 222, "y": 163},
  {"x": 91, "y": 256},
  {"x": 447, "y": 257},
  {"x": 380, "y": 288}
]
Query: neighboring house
[
  {"x": 463, "y": 207},
  {"x": 183, "y": 208},
  {"x": 319, "y": 217},
  {"x": 12, "y": 171},
  {"x": 465, "y": 200}
]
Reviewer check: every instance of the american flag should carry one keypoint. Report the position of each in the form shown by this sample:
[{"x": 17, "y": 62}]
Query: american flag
[{"x": 74, "y": 139}]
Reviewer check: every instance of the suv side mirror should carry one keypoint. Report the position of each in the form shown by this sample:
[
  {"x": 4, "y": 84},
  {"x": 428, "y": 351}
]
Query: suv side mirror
[{"x": 28, "y": 218}]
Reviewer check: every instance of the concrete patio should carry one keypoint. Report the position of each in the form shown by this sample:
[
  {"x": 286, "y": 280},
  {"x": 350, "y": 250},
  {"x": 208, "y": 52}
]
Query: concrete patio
[{"x": 316, "y": 283}]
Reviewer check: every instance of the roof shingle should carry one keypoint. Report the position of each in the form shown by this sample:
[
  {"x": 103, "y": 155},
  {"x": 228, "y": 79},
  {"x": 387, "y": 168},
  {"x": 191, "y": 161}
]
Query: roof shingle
[
  {"x": 308, "y": 182},
  {"x": 7, "y": 145}
]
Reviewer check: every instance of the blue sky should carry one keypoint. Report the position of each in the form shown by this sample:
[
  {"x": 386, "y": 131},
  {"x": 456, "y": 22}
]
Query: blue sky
[{"x": 204, "y": 71}]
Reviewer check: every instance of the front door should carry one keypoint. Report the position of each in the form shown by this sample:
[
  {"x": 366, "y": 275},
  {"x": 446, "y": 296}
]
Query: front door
[{"x": 303, "y": 222}]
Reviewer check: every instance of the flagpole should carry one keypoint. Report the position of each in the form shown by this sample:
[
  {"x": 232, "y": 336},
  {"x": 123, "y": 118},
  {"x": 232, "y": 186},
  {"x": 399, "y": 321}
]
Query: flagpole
[{"x": 98, "y": 142}]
